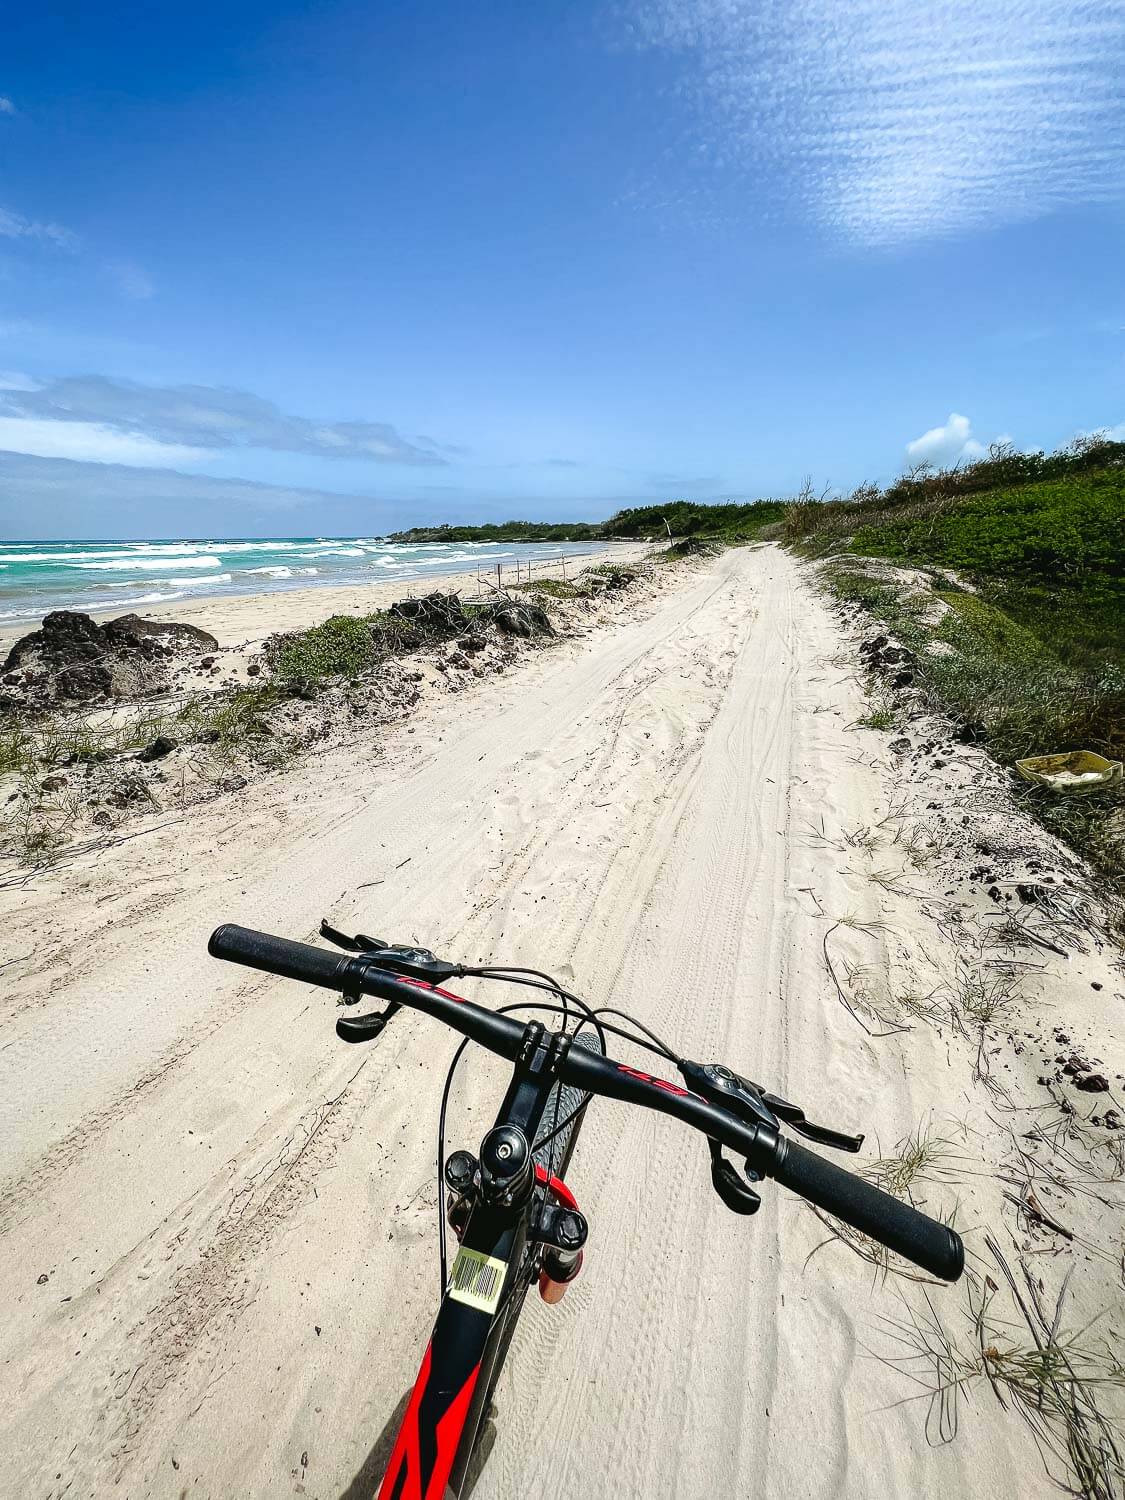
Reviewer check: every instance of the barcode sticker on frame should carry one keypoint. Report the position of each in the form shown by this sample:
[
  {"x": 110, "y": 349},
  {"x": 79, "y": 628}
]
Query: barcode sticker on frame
[{"x": 477, "y": 1280}]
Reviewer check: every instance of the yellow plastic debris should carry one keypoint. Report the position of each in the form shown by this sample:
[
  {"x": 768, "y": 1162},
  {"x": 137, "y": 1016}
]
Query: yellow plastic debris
[{"x": 1074, "y": 771}]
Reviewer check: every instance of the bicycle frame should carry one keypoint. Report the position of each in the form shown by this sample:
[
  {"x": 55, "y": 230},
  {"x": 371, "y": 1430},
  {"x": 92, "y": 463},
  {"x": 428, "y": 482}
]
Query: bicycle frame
[{"x": 439, "y": 1428}]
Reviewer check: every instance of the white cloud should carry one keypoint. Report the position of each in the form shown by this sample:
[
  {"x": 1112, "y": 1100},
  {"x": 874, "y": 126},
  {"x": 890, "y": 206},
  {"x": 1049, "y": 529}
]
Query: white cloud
[
  {"x": 91, "y": 441},
  {"x": 6, "y": 106},
  {"x": 13, "y": 380},
  {"x": 16, "y": 227},
  {"x": 208, "y": 417},
  {"x": 947, "y": 444},
  {"x": 41, "y": 497},
  {"x": 894, "y": 121}
]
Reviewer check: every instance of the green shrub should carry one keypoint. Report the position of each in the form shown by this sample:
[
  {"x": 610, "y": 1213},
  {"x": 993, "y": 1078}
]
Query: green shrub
[
  {"x": 504, "y": 531},
  {"x": 1038, "y": 650},
  {"x": 1002, "y": 675},
  {"x": 1067, "y": 531},
  {"x": 343, "y": 646},
  {"x": 731, "y": 523}
]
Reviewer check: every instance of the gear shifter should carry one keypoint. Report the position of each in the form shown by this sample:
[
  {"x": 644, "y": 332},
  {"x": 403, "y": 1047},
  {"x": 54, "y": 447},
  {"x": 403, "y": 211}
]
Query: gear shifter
[{"x": 753, "y": 1105}]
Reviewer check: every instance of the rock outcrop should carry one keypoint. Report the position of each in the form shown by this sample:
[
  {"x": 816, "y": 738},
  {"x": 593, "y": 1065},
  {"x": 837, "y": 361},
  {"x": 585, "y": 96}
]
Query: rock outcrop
[
  {"x": 72, "y": 659},
  {"x": 444, "y": 614}
]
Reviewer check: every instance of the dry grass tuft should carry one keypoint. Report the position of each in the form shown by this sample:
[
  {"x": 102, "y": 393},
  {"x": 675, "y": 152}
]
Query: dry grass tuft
[
  {"x": 920, "y": 1157},
  {"x": 1056, "y": 1381}
]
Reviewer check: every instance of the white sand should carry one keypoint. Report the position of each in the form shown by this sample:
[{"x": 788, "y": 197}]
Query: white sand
[{"x": 235, "y": 1212}]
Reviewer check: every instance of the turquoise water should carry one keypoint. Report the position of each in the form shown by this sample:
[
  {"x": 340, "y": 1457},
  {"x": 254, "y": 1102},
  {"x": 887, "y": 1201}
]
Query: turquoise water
[{"x": 39, "y": 576}]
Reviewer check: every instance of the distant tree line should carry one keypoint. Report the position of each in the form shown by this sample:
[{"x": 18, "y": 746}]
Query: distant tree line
[
  {"x": 684, "y": 518},
  {"x": 687, "y": 518},
  {"x": 504, "y": 531}
]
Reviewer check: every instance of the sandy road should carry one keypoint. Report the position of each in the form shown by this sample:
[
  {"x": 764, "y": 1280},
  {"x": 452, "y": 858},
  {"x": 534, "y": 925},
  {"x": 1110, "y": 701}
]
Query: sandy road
[{"x": 234, "y": 1213}]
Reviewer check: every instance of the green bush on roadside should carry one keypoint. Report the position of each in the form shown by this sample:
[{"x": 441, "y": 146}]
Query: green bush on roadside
[
  {"x": 551, "y": 588},
  {"x": 343, "y": 646},
  {"x": 727, "y": 523}
]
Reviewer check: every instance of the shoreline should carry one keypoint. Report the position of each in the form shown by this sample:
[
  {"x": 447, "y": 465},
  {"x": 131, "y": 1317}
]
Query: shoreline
[{"x": 247, "y": 618}]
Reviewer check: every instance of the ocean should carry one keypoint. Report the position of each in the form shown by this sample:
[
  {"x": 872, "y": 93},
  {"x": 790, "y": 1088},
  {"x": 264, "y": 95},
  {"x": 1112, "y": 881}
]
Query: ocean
[{"x": 36, "y": 577}]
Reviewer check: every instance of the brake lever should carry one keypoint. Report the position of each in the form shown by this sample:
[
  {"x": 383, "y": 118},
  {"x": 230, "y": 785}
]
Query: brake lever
[
  {"x": 824, "y": 1135},
  {"x": 361, "y": 943},
  {"x": 357, "y": 1028},
  {"x": 365, "y": 1028},
  {"x": 738, "y": 1196}
]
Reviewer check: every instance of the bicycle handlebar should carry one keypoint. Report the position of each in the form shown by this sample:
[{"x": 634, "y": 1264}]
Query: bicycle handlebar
[
  {"x": 933, "y": 1246},
  {"x": 920, "y": 1239},
  {"x": 277, "y": 955}
]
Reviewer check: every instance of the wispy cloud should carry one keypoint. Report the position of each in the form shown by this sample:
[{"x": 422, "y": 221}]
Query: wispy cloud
[
  {"x": 6, "y": 106},
  {"x": 205, "y": 417},
  {"x": 41, "y": 497},
  {"x": 15, "y": 380},
  {"x": 892, "y": 121},
  {"x": 89, "y": 441},
  {"x": 15, "y": 227}
]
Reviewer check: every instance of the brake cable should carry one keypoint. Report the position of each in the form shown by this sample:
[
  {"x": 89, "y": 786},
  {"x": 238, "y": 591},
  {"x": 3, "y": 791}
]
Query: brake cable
[
  {"x": 537, "y": 979},
  {"x": 661, "y": 1047},
  {"x": 591, "y": 1017}
]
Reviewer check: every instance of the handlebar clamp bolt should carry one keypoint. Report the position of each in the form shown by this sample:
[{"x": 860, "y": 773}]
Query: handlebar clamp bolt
[
  {"x": 571, "y": 1230},
  {"x": 461, "y": 1171}
]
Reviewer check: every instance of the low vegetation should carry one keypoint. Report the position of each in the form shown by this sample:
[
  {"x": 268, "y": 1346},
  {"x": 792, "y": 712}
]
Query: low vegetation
[
  {"x": 344, "y": 646},
  {"x": 1065, "y": 1383},
  {"x": 504, "y": 531},
  {"x": 602, "y": 578},
  {"x": 93, "y": 765},
  {"x": 1010, "y": 686},
  {"x": 679, "y": 519},
  {"x": 685, "y": 520},
  {"x": 552, "y": 588},
  {"x": 1014, "y": 606}
]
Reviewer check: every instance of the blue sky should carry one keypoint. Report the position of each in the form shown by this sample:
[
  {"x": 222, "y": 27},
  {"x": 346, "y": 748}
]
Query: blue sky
[{"x": 286, "y": 269}]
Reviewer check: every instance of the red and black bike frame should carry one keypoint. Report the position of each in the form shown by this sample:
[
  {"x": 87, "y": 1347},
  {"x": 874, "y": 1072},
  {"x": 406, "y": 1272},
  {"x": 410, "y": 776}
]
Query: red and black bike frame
[{"x": 439, "y": 1427}]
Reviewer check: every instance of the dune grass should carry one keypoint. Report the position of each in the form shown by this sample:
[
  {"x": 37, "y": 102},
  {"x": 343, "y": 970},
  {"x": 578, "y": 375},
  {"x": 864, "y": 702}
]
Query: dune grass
[{"x": 1065, "y": 1384}]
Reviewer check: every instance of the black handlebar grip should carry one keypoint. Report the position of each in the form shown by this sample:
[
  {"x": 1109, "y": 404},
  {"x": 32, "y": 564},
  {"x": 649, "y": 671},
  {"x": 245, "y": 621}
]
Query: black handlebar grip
[
  {"x": 261, "y": 950},
  {"x": 935, "y": 1247}
]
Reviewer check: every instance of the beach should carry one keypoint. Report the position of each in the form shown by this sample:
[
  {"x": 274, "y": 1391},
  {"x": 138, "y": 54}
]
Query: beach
[
  {"x": 218, "y": 1222},
  {"x": 239, "y": 619}
]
